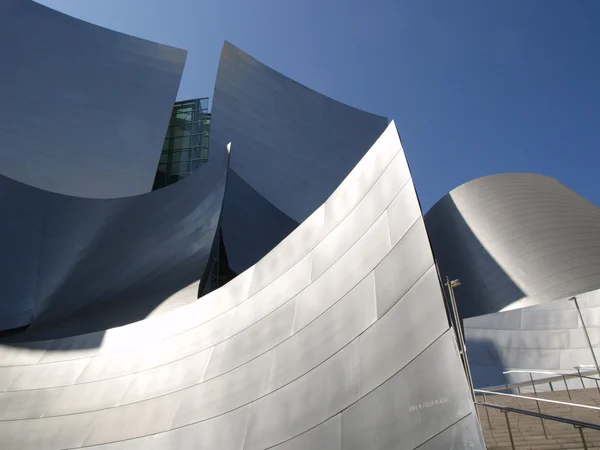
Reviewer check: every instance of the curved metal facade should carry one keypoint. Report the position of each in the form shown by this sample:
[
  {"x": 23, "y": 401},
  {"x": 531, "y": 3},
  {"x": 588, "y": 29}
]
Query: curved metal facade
[
  {"x": 73, "y": 265},
  {"x": 515, "y": 240},
  {"x": 76, "y": 116},
  {"x": 548, "y": 337},
  {"x": 292, "y": 148},
  {"x": 338, "y": 338}
]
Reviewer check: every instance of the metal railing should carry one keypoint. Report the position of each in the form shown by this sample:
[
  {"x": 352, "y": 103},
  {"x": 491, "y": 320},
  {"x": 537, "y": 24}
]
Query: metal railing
[
  {"x": 537, "y": 400},
  {"x": 577, "y": 424},
  {"x": 555, "y": 377}
]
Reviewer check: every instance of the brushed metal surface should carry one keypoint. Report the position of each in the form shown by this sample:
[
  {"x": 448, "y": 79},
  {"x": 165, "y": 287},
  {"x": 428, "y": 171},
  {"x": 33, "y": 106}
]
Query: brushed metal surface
[
  {"x": 75, "y": 116},
  {"x": 296, "y": 147},
  {"x": 297, "y": 357},
  {"x": 94, "y": 258},
  {"x": 515, "y": 240},
  {"x": 545, "y": 337}
]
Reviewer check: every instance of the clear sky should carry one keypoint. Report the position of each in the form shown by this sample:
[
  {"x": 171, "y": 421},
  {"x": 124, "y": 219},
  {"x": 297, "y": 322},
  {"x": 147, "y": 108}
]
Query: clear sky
[{"x": 476, "y": 87}]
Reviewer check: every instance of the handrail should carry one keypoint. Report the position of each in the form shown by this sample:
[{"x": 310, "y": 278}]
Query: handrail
[
  {"x": 575, "y": 423},
  {"x": 537, "y": 399},
  {"x": 532, "y": 382},
  {"x": 558, "y": 374}
]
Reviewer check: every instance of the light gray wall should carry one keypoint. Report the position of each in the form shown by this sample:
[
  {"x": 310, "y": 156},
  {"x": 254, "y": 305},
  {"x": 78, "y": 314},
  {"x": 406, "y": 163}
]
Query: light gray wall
[
  {"x": 338, "y": 338},
  {"x": 84, "y": 110},
  {"x": 515, "y": 240},
  {"x": 292, "y": 147}
]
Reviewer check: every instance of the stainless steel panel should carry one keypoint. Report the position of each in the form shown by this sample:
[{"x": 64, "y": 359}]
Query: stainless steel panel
[
  {"x": 26, "y": 404},
  {"x": 165, "y": 379},
  {"x": 403, "y": 212},
  {"x": 404, "y": 412},
  {"x": 463, "y": 434},
  {"x": 194, "y": 341},
  {"x": 220, "y": 302},
  {"x": 326, "y": 436},
  {"x": 272, "y": 296},
  {"x": 289, "y": 251},
  {"x": 66, "y": 98},
  {"x": 361, "y": 178},
  {"x": 574, "y": 357},
  {"x": 343, "y": 275},
  {"x": 401, "y": 269},
  {"x": 252, "y": 342},
  {"x": 89, "y": 396},
  {"x": 358, "y": 221},
  {"x": 225, "y": 432},
  {"x": 133, "y": 420},
  {"x": 547, "y": 359},
  {"x": 325, "y": 336},
  {"x": 8, "y": 431},
  {"x": 409, "y": 327},
  {"x": 224, "y": 393},
  {"x": 306, "y": 402},
  {"x": 53, "y": 433},
  {"x": 504, "y": 320},
  {"x": 8, "y": 375},
  {"x": 577, "y": 338},
  {"x": 14, "y": 356},
  {"x": 49, "y": 375},
  {"x": 534, "y": 340}
]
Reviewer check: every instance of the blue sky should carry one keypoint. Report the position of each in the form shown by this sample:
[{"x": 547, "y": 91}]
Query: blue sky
[{"x": 476, "y": 87}]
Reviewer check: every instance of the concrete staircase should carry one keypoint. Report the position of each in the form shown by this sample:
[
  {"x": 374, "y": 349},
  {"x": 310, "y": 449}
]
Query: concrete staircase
[{"x": 527, "y": 431}]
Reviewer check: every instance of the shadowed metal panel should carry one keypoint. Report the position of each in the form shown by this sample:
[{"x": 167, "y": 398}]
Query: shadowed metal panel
[
  {"x": 91, "y": 264},
  {"x": 294, "y": 147},
  {"x": 320, "y": 364},
  {"x": 515, "y": 240},
  {"x": 84, "y": 109}
]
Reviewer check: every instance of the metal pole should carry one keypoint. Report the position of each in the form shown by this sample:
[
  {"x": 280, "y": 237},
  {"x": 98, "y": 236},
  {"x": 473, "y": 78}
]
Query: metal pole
[
  {"x": 587, "y": 336},
  {"x": 567, "y": 387},
  {"x": 512, "y": 441},
  {"x": 582, "y": 437},
  {"x": 487, "y": 413},
  {"x": 459, "y": 330},
  {"x": 580, "y": 377},
  {"x": 538, "y": 405}
]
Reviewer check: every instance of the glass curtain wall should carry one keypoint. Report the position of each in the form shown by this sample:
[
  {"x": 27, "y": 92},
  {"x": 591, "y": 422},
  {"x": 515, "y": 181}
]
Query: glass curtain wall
[{"x": 186, "y": 143}]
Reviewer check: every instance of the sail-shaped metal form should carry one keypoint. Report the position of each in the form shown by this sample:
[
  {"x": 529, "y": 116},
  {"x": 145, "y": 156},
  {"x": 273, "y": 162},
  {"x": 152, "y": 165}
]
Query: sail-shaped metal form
[
  {"x": 294, "y": 146},
  {"x": 515, "y": 240},
  {"x": 71, "y": 265},
  {"x": 83, "y": 109},
  {"x": 337, "y": 338}
]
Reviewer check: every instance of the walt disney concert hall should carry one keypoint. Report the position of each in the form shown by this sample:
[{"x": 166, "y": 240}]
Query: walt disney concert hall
[{"x": 259, "y": 274}]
